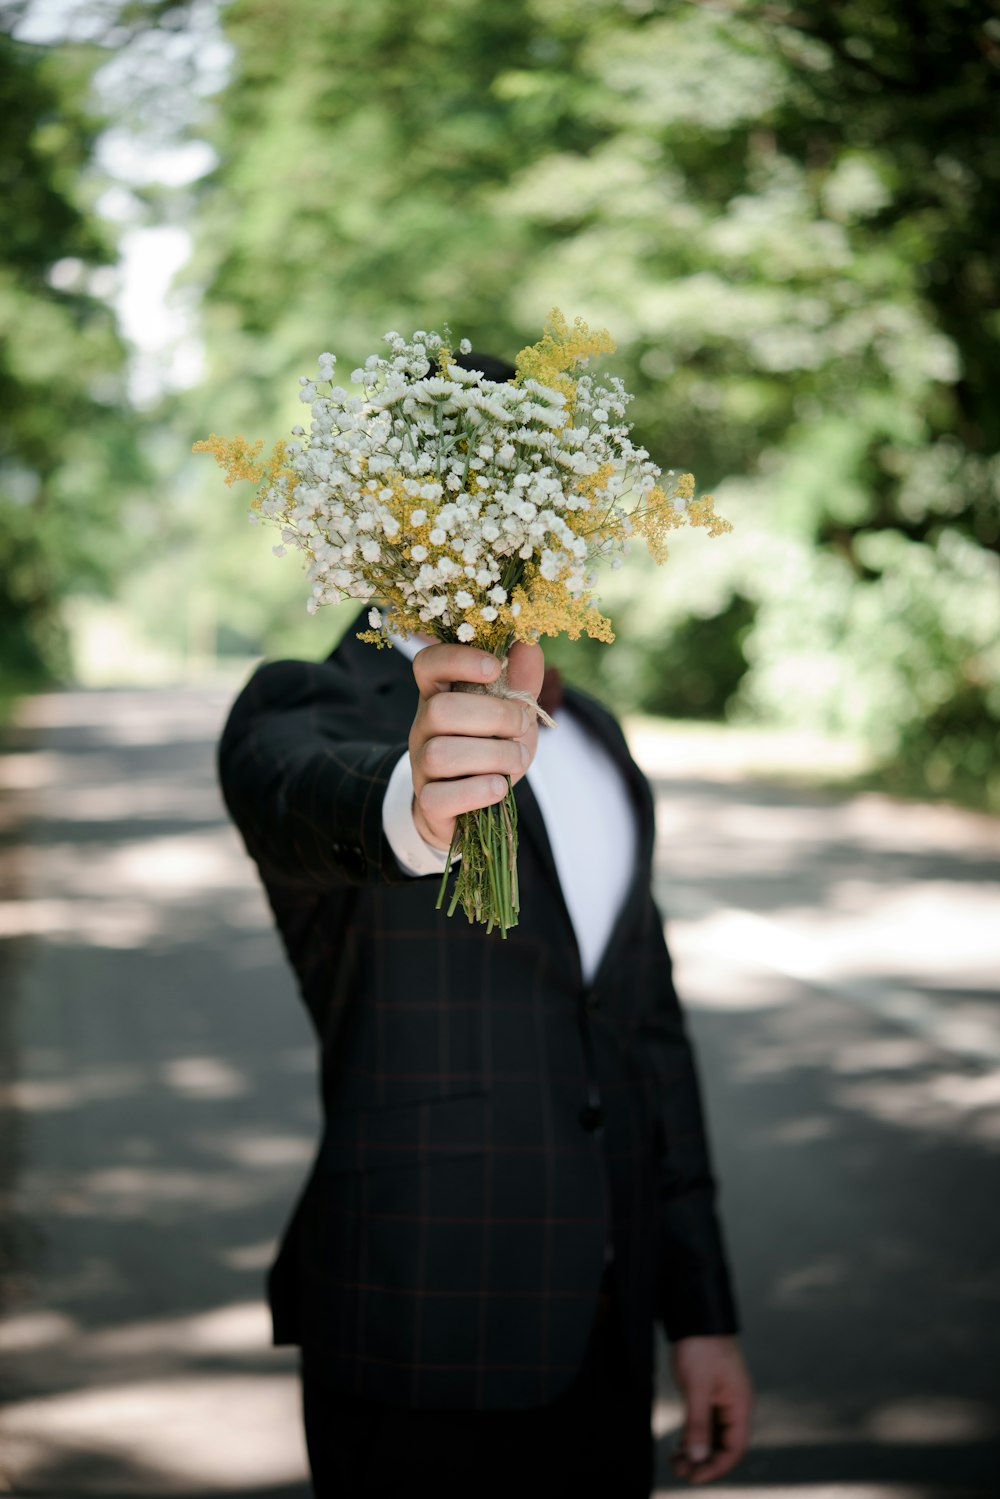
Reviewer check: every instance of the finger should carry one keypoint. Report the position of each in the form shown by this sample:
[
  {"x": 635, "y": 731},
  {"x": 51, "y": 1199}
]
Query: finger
[
  {"x": 441, "y": 802},
  {"x": 734, "y": 1425},
  {"x": 526, "y": 667},
  {"x": 719, "y": 1463},
  {"x": 448, "y": 757},
  {"x": 698, "y": 1425},
  {"x": 731, "y": 1439},
  {"x": 437, "y": 666},
  {"x": 473, "y": 715},
  {"x": 681, "y": 1465},
  {"x": 729, "y": 1443}
]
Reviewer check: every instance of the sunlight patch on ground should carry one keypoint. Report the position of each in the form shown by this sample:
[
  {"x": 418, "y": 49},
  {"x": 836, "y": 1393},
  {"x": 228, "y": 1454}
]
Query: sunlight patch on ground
[
  {"x": 728, "y": 752},
  {"x": 41, "y": 1094},
  {"x": 932, "y": 1419},
  {"x": 227, "y": 1432},
  {"x": 808, "y": 947},
  {"x": 737, "y": 1490},
  {"x": 242, "y": 1327},
  {"x": 133, "y": 717},
  {"x": 122, "y": 1192},
  {"x": 205, "y": 1077},
  {"x": 256, "y": 1148}
]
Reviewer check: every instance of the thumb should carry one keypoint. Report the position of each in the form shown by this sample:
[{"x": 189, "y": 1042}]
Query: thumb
[
  {"x": 697, "y": 1427},
  {"x": 526, "y": 667}
]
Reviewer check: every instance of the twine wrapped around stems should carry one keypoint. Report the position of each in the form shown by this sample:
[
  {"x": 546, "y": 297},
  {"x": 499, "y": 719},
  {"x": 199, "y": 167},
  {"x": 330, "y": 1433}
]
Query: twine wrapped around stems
[
  {"x": 486, "y": 839},
  {"x": 499, "y": 688}
]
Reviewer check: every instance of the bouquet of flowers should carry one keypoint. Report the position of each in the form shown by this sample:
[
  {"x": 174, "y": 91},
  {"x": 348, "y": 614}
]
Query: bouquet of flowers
[{"x": 472, "y": 510}]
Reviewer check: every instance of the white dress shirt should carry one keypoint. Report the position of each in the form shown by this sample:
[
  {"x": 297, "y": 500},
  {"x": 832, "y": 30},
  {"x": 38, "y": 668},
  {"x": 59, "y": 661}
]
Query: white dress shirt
[{"x": 588, "y": 814}]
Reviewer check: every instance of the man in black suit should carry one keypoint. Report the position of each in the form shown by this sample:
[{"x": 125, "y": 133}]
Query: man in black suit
[{"x": 514, "y": 1179}]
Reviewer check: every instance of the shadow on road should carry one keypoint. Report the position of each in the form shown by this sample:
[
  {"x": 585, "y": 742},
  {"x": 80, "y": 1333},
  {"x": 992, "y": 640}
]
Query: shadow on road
[{"x": 160, "y": 1113}]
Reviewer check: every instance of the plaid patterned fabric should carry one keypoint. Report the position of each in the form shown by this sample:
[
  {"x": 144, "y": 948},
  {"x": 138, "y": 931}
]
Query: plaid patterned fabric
[{"x": 448, "y": 1246}]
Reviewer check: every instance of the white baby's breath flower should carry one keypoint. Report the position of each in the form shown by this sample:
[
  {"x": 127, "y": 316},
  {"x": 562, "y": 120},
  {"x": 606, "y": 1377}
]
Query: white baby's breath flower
[
  {"x": 463, "y": 377},
  {"x": 374, "y": 619},
  {"x": 434, "y": 389},
  {"x": 464, "y": 599},
  {"x": 465, "y": 633}
]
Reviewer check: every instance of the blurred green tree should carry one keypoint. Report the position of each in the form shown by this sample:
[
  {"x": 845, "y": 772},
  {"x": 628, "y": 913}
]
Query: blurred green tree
[
  {"x": 67, "y": 440},
  {"x": 786, "y": 214}
]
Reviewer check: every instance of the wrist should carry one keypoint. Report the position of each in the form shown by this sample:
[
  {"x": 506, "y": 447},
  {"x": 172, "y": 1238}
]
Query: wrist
[
  {"x": 414, "y": 852},
  {"x": 430, "y": 835}
]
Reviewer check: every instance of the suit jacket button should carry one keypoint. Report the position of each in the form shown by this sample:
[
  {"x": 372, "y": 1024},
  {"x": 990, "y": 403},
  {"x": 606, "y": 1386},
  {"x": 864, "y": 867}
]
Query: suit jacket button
[{"x": 591, "y": 1117}]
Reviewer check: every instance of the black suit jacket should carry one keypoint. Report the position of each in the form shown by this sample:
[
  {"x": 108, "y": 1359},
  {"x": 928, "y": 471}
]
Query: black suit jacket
[{"x": 448, "y": 1246}]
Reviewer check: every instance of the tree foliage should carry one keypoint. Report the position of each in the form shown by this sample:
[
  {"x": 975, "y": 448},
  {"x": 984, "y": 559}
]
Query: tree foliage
[
  {"x": 785, "y": 210},
  {"x": 787, "y": 214},
  {"x": 67, "y": 449}
]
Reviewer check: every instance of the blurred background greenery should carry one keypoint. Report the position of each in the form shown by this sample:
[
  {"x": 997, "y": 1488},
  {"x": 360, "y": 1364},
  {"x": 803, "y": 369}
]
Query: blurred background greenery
[{"x": 786, "y": 213}]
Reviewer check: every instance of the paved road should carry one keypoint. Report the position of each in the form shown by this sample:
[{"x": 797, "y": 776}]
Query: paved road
[{"x": 838, "y": 959}]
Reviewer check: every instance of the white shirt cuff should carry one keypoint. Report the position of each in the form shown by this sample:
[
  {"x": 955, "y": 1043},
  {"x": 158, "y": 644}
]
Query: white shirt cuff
[{"x": 413, "y": 853}]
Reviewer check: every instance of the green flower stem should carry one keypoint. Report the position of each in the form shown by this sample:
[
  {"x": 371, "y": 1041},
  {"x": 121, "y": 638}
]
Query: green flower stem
[{"x": 486, "y": 881}]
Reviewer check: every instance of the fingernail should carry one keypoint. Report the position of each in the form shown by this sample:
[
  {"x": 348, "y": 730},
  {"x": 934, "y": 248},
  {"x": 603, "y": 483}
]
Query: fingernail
[
  {"x": 697, "y": 1452},
  {"x": 525, "y": 756},
  {"x": 499, "y": 786},
  {"x": 488, "y": 665},
  {"x": 525, "y": 721}
]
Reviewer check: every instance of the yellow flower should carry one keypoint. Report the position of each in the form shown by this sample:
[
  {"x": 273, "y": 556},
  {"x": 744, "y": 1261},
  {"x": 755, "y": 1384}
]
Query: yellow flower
[
  {"x": 559, "y": 351},
  {"x": 548, "y": 608},
  {"x": 241, "y": 459},
  {"x": 702, "y": 513}
]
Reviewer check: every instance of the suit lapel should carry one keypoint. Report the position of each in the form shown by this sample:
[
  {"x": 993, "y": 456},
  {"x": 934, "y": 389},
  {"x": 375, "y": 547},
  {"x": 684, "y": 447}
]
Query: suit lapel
[
  {"x": 600, "y": 722},
  {"x": 531, "y": 825}
]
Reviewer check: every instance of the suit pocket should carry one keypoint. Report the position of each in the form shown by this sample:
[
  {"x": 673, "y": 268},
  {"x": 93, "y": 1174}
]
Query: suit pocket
[{"x": 377, "y": 1138}]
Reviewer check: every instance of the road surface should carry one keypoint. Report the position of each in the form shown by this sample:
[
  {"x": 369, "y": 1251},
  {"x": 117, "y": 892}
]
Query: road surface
[{"x": 838, "y": 959}]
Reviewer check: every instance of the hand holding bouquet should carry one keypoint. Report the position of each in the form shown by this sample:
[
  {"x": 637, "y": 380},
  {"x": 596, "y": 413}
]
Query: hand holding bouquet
[{"x": 474, "y": 511}]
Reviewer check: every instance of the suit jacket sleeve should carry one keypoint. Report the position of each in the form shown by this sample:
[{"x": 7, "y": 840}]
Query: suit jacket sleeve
[
  {"x": 304, "y": 776},
  {"x": 695, "y": 1290}
]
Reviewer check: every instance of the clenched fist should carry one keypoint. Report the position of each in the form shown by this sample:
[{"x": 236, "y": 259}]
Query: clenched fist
[{"x": 464, "y": 744}]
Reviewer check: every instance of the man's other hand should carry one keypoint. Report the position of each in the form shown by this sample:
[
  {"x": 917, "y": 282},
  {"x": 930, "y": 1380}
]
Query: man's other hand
[
  {"x": 718, "y": 1397},
  {"x": 463, "y": 744}
]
